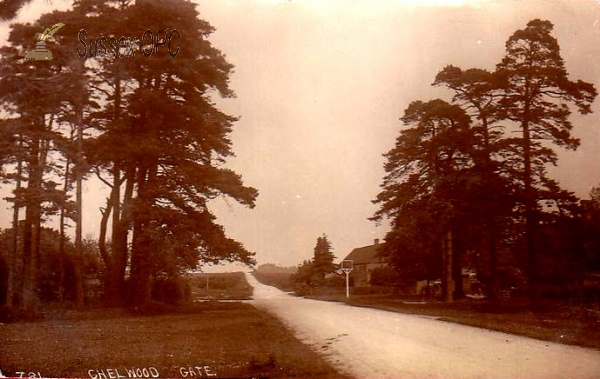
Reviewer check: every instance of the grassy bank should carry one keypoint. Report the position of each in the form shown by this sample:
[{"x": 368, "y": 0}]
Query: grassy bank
[
  {"x": 190, "y": 340},
  {"x": 222, "y": 339}
]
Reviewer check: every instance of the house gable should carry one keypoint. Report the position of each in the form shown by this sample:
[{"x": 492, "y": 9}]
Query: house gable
[
  {"x": 366, "y": 255},
  {"x": 364, "y": 260}
]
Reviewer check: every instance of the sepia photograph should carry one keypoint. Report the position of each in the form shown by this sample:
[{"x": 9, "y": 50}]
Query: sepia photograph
[{"x": 390, "y": 189}]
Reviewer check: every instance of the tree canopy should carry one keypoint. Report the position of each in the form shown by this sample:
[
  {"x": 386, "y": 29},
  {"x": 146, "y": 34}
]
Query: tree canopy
[
  {"x": 469, "y": 178},
  {"x": 143, "y": 125}
]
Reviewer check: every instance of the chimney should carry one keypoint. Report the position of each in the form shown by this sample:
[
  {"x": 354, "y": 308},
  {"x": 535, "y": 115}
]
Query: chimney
[{"x": 376, "y": 241}]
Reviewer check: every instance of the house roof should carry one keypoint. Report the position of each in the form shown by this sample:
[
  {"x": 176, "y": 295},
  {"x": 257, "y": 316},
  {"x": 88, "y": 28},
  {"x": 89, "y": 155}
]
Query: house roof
[{"x": 366, "y": 254}]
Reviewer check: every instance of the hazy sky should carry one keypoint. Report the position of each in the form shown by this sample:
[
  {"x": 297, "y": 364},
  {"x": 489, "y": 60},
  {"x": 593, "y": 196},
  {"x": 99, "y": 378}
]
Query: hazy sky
[{"x": 321, "y": 84}]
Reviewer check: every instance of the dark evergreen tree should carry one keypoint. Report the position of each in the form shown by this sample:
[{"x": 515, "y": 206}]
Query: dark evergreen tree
[
  {"x": 312, "y": 272},
  {"x": 591, "y": 230},
  {"x": 162, "y": 145},
  {"x": 536, "y": 96},
  {"x": 491, "y": 192},
  {"x": 33, "y": 95},
  {"x": 322, "y": 262},
  {"x": 425, "y": 190},
  {"x": 500, "y": 189},
  {"x": 158, "y": 141},
  {"x": 304, "y": 274}
]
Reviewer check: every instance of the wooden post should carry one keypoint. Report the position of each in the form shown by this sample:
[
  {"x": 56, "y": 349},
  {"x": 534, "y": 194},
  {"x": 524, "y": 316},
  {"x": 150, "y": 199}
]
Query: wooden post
[{"x": 347, "y": 285}]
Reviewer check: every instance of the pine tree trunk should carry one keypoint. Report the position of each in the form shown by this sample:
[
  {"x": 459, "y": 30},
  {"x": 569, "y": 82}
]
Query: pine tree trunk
[
  {"x": 494, "y": 285},
  {"x": 116, "y": 264},
  {"x": 31, "y": 229},
  {"x": 140, "y": 273},
  {"x": 448, "y": 282},
  {"x": 61, "y": 247},
  {"x": 11, "y": 289},
  {"x": 79, "y": 168},
  {"x": 530, "y": 220},
  {"x": 12, "y": 264},
  {"x": 459, "y": 291},
  {"x": 494, "y": 282}
]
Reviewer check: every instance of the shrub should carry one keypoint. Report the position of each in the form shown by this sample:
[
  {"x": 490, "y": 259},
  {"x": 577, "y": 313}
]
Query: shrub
[
  {"x": 385, "y": 276},
  {"x": 20, "y": 314},
  {"x": 303, "y": 289},
  {"x": 335, "y": 281},
  {"x": 171, "y": 290}
]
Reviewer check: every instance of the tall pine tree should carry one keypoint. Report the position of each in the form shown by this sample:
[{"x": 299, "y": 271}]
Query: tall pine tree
[
  {"x": 158, "y": 141},
  {"x": 424, "y": 190},
  {"x": 322, "y": 262},
  {"x": 537, "y": 93}
]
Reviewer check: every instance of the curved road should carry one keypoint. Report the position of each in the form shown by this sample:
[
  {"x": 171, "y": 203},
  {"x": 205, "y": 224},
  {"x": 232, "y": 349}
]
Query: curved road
[{"x": 370, "y": 343}]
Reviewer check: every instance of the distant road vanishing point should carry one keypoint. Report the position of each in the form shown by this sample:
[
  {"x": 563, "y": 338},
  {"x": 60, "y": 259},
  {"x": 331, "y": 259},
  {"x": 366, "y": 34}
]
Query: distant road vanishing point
[{"x": 371, "y": 343}]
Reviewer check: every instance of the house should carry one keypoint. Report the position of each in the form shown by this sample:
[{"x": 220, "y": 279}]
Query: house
[{"x": 365, "y": 259}]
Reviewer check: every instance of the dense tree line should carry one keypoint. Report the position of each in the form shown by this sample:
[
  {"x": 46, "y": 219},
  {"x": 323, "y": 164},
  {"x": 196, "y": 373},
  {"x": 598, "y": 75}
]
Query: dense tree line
[
  {"x": 143, "y": 125},
  {"x": 466, "y": 183}
]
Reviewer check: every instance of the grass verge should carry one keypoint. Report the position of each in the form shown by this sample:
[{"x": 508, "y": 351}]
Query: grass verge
[{"x": 199, "y": 340}]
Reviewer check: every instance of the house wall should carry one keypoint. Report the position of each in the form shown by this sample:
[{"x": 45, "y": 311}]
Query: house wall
[{"x": 361, "y": 274}]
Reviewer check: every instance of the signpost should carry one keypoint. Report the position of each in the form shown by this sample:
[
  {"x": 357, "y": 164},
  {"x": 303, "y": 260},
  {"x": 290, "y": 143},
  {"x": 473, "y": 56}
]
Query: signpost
[{"x": 347, "y": 266}]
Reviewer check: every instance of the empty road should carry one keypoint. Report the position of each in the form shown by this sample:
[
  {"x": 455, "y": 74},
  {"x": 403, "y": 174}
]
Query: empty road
[{"x": 370, "y": 343}]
